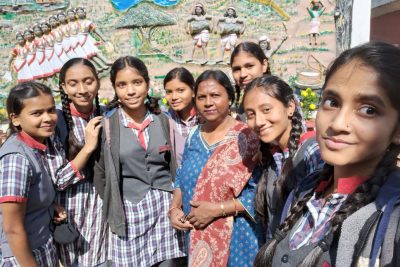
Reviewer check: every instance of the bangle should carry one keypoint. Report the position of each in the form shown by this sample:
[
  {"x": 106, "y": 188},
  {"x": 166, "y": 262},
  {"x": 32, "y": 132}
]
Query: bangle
[
  {"x": 170, "y": 210},
  {"x": 223, "y": 209},
  {"x": 236, "y": 210}
]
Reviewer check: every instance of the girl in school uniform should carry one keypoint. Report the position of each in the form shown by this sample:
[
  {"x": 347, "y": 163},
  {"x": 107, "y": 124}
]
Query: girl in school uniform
[
  {"x": 26, "y": 190},
  {"x": 79, "y": 126},
  {"x": 179, "y": 92},
  {"x": 248, "y": 62},
  {"x": 134, "y": 173},
  {"x": 288, "y": 154},
  {"x": 350, "y": 216}
]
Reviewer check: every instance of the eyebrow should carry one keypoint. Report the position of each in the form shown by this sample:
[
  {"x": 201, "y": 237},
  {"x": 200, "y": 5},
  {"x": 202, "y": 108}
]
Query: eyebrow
[{"x": 360, "y": 98}]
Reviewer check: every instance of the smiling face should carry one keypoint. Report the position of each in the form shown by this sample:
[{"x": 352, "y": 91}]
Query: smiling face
[
  {"x": 268, "y": 116},
  {"x": 71, "y": 15},
  {"x": 212, "y": 101},
  {"x": 20, "y": 40},
  {"x": 246, "y": 67},
  {"x": 37, "y": 118},
  {"x": 45, "y": 28},
  {"x": 356, "y": 121},
  {"x": 53, "y": 22},
  {"x": 198, "y": 10},
  {"x": 28, "y": 36},
  {"x": 230, "y": 12},
  {"x": 81, "y": 86},
  {"x": 38, "y": 31},
  {"x": 179, "y": 95},
  {"x": 81, "y": 13},
  {"x": 131, "y": 88}
]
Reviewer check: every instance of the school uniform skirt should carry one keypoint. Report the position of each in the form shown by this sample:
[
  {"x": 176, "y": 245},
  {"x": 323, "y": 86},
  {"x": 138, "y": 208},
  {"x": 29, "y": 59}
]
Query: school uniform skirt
[
  {"x": 84, "y": 207},
  {"x": 150, "y": 237},
  {"x": 45, "y": 256}
]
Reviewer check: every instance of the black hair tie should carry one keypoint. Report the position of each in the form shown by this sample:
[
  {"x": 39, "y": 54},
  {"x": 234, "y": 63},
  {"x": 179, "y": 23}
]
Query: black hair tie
[{"x": 279, "y": 235}]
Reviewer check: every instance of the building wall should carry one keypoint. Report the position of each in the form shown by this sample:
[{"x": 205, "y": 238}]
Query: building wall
[{"x": 385, "y": 21}]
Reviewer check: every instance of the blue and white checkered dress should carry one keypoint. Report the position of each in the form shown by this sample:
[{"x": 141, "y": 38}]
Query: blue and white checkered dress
[
  {"x": 84, "y": 208},
  {"x": 150, "y": 237}
]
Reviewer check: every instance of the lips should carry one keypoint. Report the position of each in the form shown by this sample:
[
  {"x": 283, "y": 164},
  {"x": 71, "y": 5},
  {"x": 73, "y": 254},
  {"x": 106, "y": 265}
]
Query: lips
[{"x": 335, "y": 143}]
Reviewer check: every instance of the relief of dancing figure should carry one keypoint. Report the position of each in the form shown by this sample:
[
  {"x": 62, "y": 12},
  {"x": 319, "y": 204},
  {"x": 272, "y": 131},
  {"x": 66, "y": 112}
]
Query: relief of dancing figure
[
  {"x": 19, "y": 56},
  {"x": 49, "y": 42},
  {"x": 73, "y": 26},
  {"x": 66, "y": 41},
  {"x": 88, "y": 43},
  {"x": 230, "y": 28},
  {"x": 58, "y": 37},
  {"x": 199, "y": 27}
]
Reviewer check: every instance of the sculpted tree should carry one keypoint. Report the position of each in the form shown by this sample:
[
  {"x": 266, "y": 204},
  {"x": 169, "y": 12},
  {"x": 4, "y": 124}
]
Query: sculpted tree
[{"x": 146, "y": 18}]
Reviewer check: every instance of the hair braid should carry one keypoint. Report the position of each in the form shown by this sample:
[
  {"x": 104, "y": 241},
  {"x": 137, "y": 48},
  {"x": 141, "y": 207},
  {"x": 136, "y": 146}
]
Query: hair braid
[
  {"x": 73, "y": 145},
  {"x": 265, "y": 255},
  {"x": 363, "y": 195},
  {"x": 261, "y": 189},
  {"x": 97, "y": 105},
  {"x": 113, "y": 103},
  {"x": 285, "y": 183}
]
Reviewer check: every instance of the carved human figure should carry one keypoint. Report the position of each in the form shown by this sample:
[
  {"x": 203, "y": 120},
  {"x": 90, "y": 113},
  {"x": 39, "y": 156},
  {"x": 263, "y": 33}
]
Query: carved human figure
[
  {"x": 58, "y": 36},
  {"x": 199, "y": 27},
  {"x": 265, "y": 43},
  {"x": 88, "y": 42},
  {"x": 40, "y": 57},
  {"x": 229, "y": 27},
  {"x": 73, "y": 25},
  {"x": 316, "y": 9},
  {"x": 49, "y": 42},
  {"x": 34, "y": 67},
  {"x": 66, "y": 41},
  {"x": 19, "y": 56}
]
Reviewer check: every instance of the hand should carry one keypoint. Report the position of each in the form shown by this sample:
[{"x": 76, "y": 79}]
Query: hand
[
  {"x": 178, "y": 221},
  {"x": 59, "y": 214},
  {"x": 203, "y": 213},
  {"x": 92, "y": 133}
]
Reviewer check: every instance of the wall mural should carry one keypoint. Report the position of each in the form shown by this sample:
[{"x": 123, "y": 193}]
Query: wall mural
[{"x": 298, "y": 36}]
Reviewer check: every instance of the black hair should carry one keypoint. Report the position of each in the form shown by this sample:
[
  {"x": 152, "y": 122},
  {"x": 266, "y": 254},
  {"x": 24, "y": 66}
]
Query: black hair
[
  {"x": 182, "y": 74},
  {"x": 384, "y": 59},
  {"x": 218, "y": 76},
  {"x": 281, "y": 91},
  {"x": 21, "y": 92},
  {"x": 254, "y": 50},
  {"x": 73, "y": 145},
  {"x": 135, "y": 63}
]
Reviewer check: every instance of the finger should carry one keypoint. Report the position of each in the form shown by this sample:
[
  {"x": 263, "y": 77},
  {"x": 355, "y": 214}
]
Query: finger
[{"x": 194, "y": 204}]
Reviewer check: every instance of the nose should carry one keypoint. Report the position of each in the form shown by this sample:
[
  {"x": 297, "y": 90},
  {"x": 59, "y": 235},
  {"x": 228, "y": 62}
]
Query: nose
[
  {"x": 82, "y": 88},
  {"x": 208, "y": 101},
  {"x": 259, "y": 120},
  {"x": 130, "y": 90},
  {"x": 174, "y": 95},
  {"x": 47, "y": 117},
  {"x": 243, "y": 73},
  {"x": 341, "y": 122}
]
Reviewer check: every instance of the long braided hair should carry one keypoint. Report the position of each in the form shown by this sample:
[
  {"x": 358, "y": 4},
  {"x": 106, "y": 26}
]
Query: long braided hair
[
  {"x": 135, "y": 63},
  {"x": 73, "y": 145},
  {"x": 280, "y": 90},
  {"x": 385, "y": 60}
]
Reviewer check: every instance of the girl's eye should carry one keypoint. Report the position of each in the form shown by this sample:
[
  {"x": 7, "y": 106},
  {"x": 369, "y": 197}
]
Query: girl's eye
[
  {"x": 250, "y": 115},
  {"x": 266, "y": 110},
  {"x": 89, "y": 82},
  {"x": 201, "y": 97},
  {"x": 72, "y": 84},
  {"x": 180, "y": 90},
  {"x": 121, "y": 85},
  {"x": 137, "y": 82},
  {"x": 329, "y": 103},
  {"x": 368, "y": 111}
]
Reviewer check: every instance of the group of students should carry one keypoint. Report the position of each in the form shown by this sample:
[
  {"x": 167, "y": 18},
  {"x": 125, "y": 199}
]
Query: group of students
[{"x": 194, "y": 185}]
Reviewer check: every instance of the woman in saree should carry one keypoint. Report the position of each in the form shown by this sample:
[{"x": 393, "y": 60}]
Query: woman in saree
[{"x": 214, "y": 187}]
